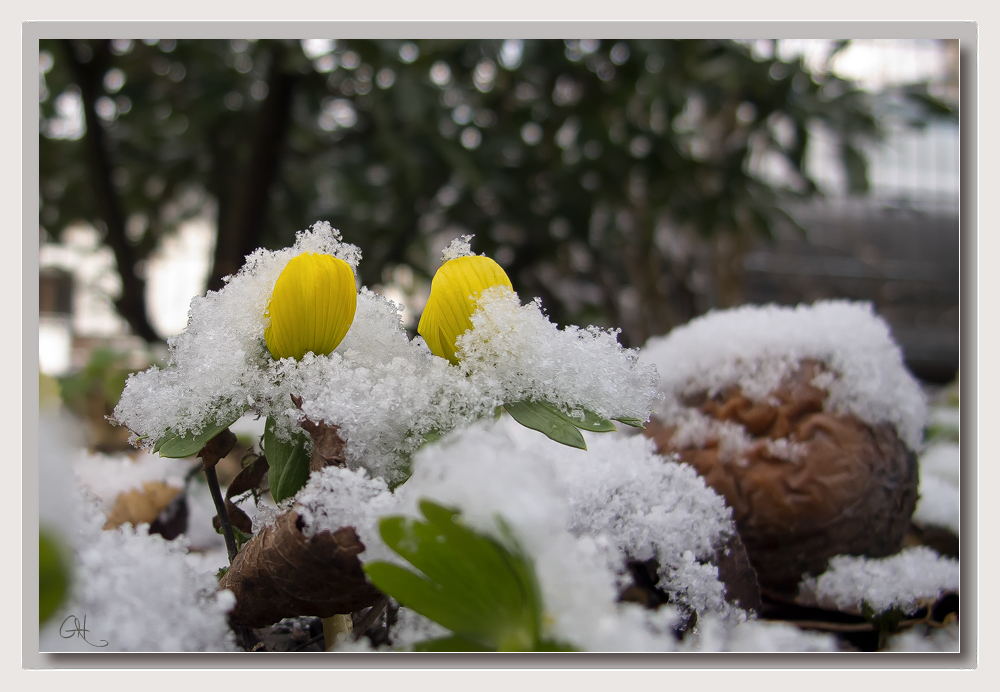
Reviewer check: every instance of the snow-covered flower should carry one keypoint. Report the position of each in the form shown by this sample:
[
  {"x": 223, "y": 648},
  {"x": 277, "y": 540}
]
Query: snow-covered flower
[
  {"x": 312, "y": 306},
  {"x": 454, "y": 291}
]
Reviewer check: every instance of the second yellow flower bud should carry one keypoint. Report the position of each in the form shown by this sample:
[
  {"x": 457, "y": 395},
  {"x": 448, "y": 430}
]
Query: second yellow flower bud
[{"x": 454, "y": 290}]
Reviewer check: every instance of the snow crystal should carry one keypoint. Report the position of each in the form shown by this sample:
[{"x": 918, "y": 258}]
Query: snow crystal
[
  {"x": 650, "y": 507},
  {"x": 714, "y": 634},
  {"x": 756, "y": 347},
  {"x": 543, "y": 490},
  {"x": 336, "y": 497},
  {"x": 383, "y": 391},
  {"x": 459, "y": 247},
  {"x": 139, "y": 594},
  {"x": 897, "y": 581},
  {"x": 531, "y": 358},
  {"x": 924, "y": 639}
]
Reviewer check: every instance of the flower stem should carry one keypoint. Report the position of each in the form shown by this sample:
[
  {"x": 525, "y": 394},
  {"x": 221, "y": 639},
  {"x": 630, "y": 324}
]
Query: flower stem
[
  {"x": 220, "y": 508},
  {"x": 334, "y": 625}
]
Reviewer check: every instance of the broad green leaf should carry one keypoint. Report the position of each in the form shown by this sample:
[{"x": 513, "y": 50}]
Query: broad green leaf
[
  {"x": 555, "y": 426},
  {"x": 53, "y": 575},
  {"x": 634, "y": 422},
  {"x": 591, "y": 421},
  {"x": 288, "y": 462},
  {"x": 480, "y": 589},
  {"x": 174, "y": 446}
]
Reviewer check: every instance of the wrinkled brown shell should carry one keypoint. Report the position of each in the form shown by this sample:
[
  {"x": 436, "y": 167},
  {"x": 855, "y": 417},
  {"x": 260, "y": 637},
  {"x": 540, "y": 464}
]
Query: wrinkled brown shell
[
  {"x": 852, "y": 491},
  {"x": 281, "y": 573}
]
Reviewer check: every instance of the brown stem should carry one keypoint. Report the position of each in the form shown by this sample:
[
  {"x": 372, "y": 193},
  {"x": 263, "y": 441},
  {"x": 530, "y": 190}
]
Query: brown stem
[
  {"x": 369, "y": 618},
  {"x": 220, "y": 508}
]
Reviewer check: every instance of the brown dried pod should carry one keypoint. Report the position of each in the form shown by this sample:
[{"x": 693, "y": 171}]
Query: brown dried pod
[
  {"x": 281, "y": 573},
  {"x": 810, "y": 484}
]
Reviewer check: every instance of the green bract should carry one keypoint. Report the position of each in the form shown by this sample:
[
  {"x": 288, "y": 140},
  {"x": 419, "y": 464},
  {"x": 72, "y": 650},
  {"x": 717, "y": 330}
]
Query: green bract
[{"x": 485, "y": 592}]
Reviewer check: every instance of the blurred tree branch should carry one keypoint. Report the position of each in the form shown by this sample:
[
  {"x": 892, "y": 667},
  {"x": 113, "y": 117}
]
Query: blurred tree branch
[{"x": 131, "y": 305}]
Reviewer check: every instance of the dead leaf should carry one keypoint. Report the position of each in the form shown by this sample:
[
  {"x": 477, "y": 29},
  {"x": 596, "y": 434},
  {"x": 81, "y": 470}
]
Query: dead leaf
[
  {"x": 282, "y": 573},
  {"x": 217, "y": 448},
  {"x": 141, "y": 506},
  {"x": 328, "y": 445}
]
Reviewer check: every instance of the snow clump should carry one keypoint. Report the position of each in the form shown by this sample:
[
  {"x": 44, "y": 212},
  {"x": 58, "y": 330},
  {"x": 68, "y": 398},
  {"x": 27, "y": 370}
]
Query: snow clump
[
  {"x": 757, "y": 347},
  {"x": 529, "y": 358},
  {"x": 576, "y": 514},
  {"x": 898, "y": 581},
  {"x": 384, "y": 391}
]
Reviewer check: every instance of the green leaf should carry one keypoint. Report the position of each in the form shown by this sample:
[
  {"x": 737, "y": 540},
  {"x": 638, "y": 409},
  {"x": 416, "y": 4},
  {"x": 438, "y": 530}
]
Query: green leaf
[
  {"x": 53, "y": 574},
  {"x": 288, "y": 462},
  {"x": 591, "y": 421},
  {"x": 431, "y": 436},
  {"x": 634, "y": 422},
  {"x": 174, "y": 446},
  {"x": 555, "y": 426},
  {"x": 483, "y": 591}
]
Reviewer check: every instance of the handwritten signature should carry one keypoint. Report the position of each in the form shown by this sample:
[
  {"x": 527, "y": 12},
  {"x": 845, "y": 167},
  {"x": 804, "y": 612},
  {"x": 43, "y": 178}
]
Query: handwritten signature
[{"x": 78, "y": 630}]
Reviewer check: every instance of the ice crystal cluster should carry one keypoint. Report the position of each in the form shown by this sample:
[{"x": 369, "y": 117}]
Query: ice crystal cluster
[
  {"x": 384, "y": 391},
  {"x": 138, "y": 591},
  {"x": 756, "y": 347},
  {"x": 527, "y": 357},
  {"x": 576, "y": 514},
  {"x": 939, "y": 487},
  {"x": 898, "y": 581}
]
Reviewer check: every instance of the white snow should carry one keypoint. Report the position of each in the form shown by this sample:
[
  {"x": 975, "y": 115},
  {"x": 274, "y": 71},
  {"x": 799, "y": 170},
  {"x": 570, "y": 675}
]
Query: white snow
[
  {"x": 940, "y": 490},
  {"x": 384, "y": 391},
  {"x": 755, "y": 347},
  {"x": 897, "y": 581},
  {"x": 530, "y": 358},
  {"x": 575, "y": 513},
  {"x": 926, "y": 639},
  {"x": 139, "y": 592}
]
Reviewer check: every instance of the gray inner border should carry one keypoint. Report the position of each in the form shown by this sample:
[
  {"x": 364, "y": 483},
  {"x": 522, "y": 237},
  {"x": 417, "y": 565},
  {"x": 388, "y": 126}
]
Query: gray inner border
[{"x": 965, "y": 31}]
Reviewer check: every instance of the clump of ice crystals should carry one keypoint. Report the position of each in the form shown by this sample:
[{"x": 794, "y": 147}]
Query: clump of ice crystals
[
  {"x": 138, "y": 591},
  {"x": 897, "y": 581},
  {"x": 756, "y": 347},
  {"x": 459, "y": 247},
  {"x": 384, "y": 391},
  {"x": 576, "y": 514},
  {"x": 528, "y": 357},
  {"x": 140, "y": 594},
  {"x": 939, "y": 487}
]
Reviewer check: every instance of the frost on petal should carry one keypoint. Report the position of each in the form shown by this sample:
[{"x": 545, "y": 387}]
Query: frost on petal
[{"x": 459, "y": 247}]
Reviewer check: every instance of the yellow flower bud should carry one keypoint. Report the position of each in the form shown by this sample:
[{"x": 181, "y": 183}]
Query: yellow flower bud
[
  {"x": 454, "y": 290},
  {"x": 312, "y": 306}
]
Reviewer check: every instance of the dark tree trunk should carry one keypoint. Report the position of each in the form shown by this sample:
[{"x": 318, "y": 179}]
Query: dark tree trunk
[
  {"x": 132, "y": 303},
  {"x": 243, "y": 211}
]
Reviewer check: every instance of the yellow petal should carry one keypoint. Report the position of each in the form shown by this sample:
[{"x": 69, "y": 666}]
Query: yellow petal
[
  {"x": 454, "y": 290},
  {"x": 312, "y": 306}
]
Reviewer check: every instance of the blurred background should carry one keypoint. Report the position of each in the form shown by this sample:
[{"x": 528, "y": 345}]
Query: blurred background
[{"x": 628, "y": 183}]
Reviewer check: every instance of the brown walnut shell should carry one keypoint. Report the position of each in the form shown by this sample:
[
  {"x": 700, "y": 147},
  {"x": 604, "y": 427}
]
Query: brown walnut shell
[{"x": 851, "y": 490}]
